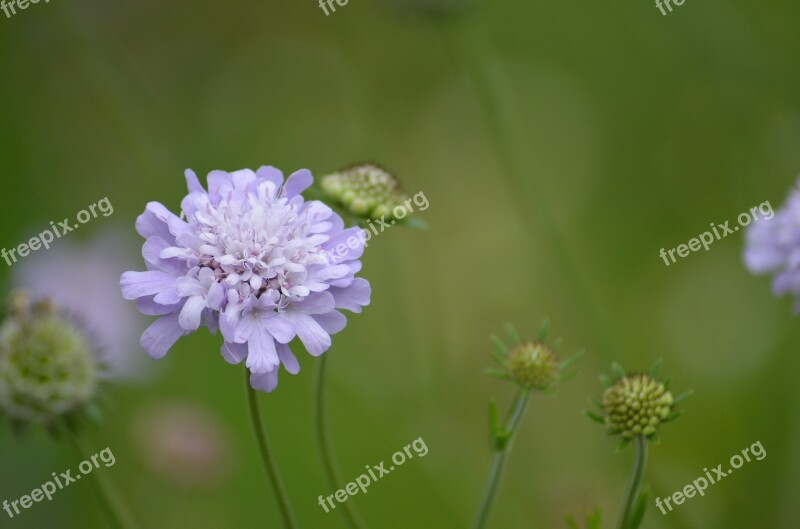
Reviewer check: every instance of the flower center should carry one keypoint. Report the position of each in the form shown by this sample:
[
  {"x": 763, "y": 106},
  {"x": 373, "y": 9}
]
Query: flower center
[{"x": 259, "y": 243}]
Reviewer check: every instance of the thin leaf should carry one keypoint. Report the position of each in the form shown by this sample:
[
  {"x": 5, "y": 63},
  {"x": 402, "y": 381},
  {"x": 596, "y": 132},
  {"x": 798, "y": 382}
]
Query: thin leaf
[
  {"x": 606, "y": 381},
  {"x": 499, "y": 347},
  {"x": 618, "y": 370},
  {"x": 570, "y": 361},
  {"x": 545, "y": 327},
  {"x": 594, "y": 416},
  {"x": 683, "y": 396},
  {"x": 623, "y": 444},
  {"x": 413, "y": 222},
  {"x": 595, "y": 519},
  {"x": 497, "y": 373},
  {"x": 656, "y": 369},
  {"x": 512, "y": 333},
  {"x": 556, "y": 344}
]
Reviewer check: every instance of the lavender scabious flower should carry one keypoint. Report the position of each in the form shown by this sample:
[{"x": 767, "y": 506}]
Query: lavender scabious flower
[
  {"x": 252, "y": 259},
  {"x": 772, "y": 245}
]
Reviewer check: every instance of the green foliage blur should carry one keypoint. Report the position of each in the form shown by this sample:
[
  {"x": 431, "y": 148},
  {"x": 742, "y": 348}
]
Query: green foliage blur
[{"x": 629, "y": 131}]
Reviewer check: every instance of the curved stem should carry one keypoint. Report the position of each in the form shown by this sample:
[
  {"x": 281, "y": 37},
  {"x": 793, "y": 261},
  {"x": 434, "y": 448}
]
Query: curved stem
[
  {"x": 635, "y": 483},
  {"x": 266, "y": 455},
  {"x": 500, "y": 459},
  {"x": 115, "y": 508},
  {"x": 325, "y": 447}
]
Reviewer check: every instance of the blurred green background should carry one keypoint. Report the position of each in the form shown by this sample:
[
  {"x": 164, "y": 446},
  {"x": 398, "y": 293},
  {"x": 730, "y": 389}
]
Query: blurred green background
[{"x": 604, "y": 132}]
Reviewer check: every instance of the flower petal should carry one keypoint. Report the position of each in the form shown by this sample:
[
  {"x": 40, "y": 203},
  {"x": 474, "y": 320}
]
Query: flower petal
[
  {"x": 347, "y": 245},
  {"x": 333, "y": 321},
  {"x": 148, "y": 307},
  {"x": 311, "y": 333},
  {"x": 192, "y": 183},
  {"x": 353, "y": 297},
  {"x": 234, "y": 353},
  {"x": 316, "y": 303},
  {"x": 288, "y": 359},
  {"x": 261, "y": 354},
  {"x": 153, "y": 222},
  {"x": 279, "y": 327},
  {"x": 270, "y": 174},
  {"x": 161, "y": 335},
  {"x": 265, "y": 381},
  {"x": 189, "y": 318},
  {"x": 297, "y": 182},
  {"x": 138, "y": 284}
]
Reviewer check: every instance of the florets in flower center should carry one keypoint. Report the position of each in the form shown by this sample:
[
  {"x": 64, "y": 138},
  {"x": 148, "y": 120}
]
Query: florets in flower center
[{"x": 259, "y": 242}]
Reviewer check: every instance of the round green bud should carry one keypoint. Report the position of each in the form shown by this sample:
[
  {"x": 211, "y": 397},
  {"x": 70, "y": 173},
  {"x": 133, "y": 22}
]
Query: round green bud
[
  {"x": 636, "y": 405},
  {"x": 533, "y": 365},
  {"x": 48, "y": 366}
]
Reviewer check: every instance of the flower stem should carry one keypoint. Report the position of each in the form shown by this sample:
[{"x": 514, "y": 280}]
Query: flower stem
[
  {"x": 325, "y": 447},
  {"x": 500, "y": 460},
  {"x": 115, "y": 508},
  {"x": 635, "y": 483},
  {"x": 266, "y": 455}
]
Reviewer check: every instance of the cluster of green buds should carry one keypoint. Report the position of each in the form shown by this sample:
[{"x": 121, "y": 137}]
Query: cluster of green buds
[
  {"x": 636, "y": 404},
  {"x": 48, "y": 364},
  {"x": 365, "y": 191}
]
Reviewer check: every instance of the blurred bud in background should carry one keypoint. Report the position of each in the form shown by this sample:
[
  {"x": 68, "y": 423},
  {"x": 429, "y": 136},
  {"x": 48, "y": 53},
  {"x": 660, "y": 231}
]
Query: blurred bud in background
[{"x": 49, "y": 370}]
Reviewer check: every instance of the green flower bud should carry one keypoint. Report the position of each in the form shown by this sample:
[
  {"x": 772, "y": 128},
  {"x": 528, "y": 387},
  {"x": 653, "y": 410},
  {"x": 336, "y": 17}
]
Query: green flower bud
[
  {"x": 366, "y": 191},
  {"x": 533, "y": 365},
  {"x": 635, "y": 405},
  {"x": 48, "y": 366}
]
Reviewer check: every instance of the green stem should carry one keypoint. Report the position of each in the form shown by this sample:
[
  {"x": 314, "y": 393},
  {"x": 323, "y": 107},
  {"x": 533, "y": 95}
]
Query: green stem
[
  {"x": 115, "y": 508},
  {"x": 500, "y": 460},
  {"x": 635, "y": 483},
  {"x": 266, "y": 455},
  {"x": 325, "y": 447}
]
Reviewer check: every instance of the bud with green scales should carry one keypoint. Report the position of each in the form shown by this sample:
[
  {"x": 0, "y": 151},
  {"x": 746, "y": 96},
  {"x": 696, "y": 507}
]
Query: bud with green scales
[
  {"x": 365, "y": 191},
  {"x": 48, "y": 364},
  {"x": 636, "y": 404},
  {"x": 531, "y": 364}
]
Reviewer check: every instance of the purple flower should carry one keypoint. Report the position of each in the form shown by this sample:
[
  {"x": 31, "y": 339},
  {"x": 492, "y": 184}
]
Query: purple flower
[
  {"x": 251, "y": 259},
  {"x": 773, "y": 246}
]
